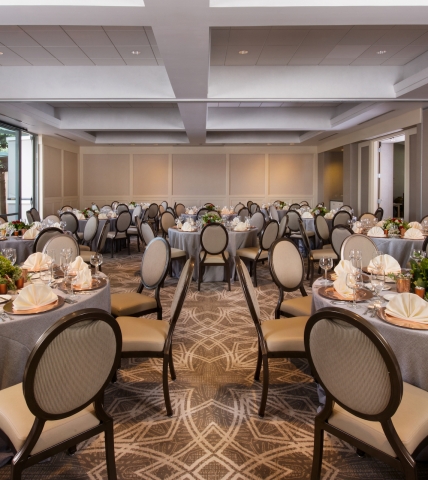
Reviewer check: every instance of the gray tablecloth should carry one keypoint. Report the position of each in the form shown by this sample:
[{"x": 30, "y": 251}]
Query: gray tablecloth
[
  {"x": 18, "y": 336},
  {"x": 24, "y": 248},
  {"x": 281, "y": 213},
  {"x": 82, "y": 225},
  {"x": 409, "y": 346},
  {"x": 190, "y": 243},
  {"x": 399, "y": 248}
]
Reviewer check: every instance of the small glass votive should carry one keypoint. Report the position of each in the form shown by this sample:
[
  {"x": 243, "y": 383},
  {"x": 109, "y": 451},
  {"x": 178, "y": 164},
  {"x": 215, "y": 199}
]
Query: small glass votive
[{"x": 420, "y": 291}]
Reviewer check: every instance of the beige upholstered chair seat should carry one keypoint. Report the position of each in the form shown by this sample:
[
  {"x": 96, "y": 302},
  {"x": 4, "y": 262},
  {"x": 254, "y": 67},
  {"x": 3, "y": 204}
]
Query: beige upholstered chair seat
[
  {"x": 410, "y": 421},
  {"x": 309, "y": 233},
  {"x": 142, "y": 334},
  {"x": 129, "y": 303},
  {"x": 177, "y": 253},
  {"x": 132, "y": 230},
  {"x": 285, "y": 334},
  {"x": 84, "y": 248},
  {"x": 86, "y": 255},
  {"x": 114, "y": 235},
  {"x": 327, "y": 247},
  {"x": 16, "y": 421},
  {"x": 297, "y": 306},
  {"x": 214, "y": 258},
  {"x": 325, "y": 252},
  {"x": 251, "y": 253}
]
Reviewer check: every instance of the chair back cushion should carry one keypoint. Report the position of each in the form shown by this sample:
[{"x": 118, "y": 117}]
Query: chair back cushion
[
  {"x": 360, "y": 242},
  {"x": 214, "y": 238},
  {"x": 91, "y": 229},
  {"x": 243, "y": 212},
  {"x": 123, "y": 221},
  {"x": 71, "y": 222},
  {"x": 269, "y": 235},
  {"x": 293, "y": 220},
  {"x": 35, "y": 214},
  {"x": 153, "y": 210},
  {"x": 167, "y": 221},
  {"x": 273, "y": 213},
  {"x": 258, "y": 220},
  {"x": 182, "y": 287},
  {"x": 286, "y": 264},
  {"x": 341, "y": 218},
  {"x": 155, "y": 262},
  {"x": 338, "y": 235},
  {"x": 136, "y": 212},
  {"x": 322, "y": 228},
  {"x": 44, "y": 236},
  {"x": 146, "y": 233},
  {"x": 180, "y": 209},
  {"x": 122, "y": 208},
  {"x": 238, "y": 207},
  {"x": 282, "y": 226},
  {"x": 58, "y": 242}
]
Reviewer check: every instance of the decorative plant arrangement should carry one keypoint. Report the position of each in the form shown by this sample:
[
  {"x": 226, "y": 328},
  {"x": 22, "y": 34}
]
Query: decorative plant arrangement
[
  {"x": 132, "y": 204},
  {"x": 419, "y": 270},
  {"x": 8, "y": 275},
  {"x": 319, "y": 211},
  {"x": 211, "y": 218},
  {"x": 19, "y": 226},
  {"x": 210, "y": 208},
  {"x": 395, "y": 223},
  {"x": 281, "y": 205},
  {"x": 89, "y": 212}
]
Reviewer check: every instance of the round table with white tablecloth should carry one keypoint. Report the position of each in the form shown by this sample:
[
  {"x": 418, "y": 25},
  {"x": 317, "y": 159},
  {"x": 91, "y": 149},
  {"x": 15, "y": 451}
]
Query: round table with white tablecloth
[
  {"x": 190, "y": 242},
  {"x": 399, "y": 248},
  {"x": 24, "y": 248}
]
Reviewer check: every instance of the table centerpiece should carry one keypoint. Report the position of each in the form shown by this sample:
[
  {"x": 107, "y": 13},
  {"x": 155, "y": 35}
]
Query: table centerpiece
[
  {"x": 320, "y": 210},
  {"x": 9, "y": 275},
  {"x": 211, "y": 217},
  {"x": 392, "y": 224}
]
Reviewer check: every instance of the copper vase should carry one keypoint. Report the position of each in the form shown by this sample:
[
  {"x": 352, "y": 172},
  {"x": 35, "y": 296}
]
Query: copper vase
[
  {"x": 19, "y": 283},
  {"x": 3, "y": 288},
  {"x": 403, "y": 285}
]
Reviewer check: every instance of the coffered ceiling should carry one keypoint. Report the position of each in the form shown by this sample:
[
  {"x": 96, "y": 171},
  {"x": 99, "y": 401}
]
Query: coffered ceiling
[{"x": 210, "y": 72}]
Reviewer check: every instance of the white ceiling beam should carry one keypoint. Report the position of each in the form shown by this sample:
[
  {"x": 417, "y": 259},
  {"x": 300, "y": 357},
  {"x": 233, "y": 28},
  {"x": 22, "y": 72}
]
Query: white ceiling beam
[
  {"x": 194, "y": 116},
  {"x": 162, "y": 138},
  {"x": 252, "y": 137}
]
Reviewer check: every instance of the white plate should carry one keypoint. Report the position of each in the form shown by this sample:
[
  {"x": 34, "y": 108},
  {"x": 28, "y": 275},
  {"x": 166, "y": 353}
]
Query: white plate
[
  {"x": 5, "y": 298},
  {"x": 390, "y": 296}
]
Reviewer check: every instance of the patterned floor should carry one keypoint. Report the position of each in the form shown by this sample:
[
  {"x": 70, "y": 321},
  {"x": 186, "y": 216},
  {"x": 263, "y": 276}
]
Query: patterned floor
[{"x": 215, "y": 432}]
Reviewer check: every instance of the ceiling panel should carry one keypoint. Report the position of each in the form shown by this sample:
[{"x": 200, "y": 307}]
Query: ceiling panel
[
  {"x": 156, "y": 51},
  {"x": 395, "y": 62},
  {"x": 372, "y": 52},
  {"x": 109, "y": 62},
  {"x": 359, "y": 36},
  {"x": 7, "y": 53},
  {"x": 347, "y": 51},
  {"x": 276, "y": 55},
  {"x": 127, "y": 37},
  {"x": 250, "y": 104},
  {"x": 145, "y": 51},
  {"x": 324, "y": 37},
  {"x": 305, "y": 61},
  {"x": 90, "y": 38},
  {"x": 141, "y": 62},
  {"x": 31, "y": 52},
  {"x": 46, "y": 62},
  {"x": 17, "y": 39},
  {"x": 150, "y": 35},
  {"x": 336, "y": 61},
  {"x": 286, "y": 37},
  {"x": 312, "y": 51},
  {"x": 66, "y": 52},
  {"x": 52, "y": 38},
  {"x": 233, "y": 57},
  {"x": 101, "y": 52},
  {"x": 400, "y": 37},
  {"x": 422, "y": 40},
  {"x": 77, "y": 62},
  {"x": 411, "y": 51},
  {"x": 218, "y": 55},
  {"x": 228, "y": 104},
  {"x": 14, "y": 62},
  {"x": 248, "y": 36},
  {"x": 220, "y": 36},
  {"x": 271, "y": 104},
  {"x": 368, "y": 62}
]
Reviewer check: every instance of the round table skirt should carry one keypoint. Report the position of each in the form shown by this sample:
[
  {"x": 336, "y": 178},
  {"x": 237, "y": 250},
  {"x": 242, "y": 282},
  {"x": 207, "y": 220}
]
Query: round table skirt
[
  {"x": 399, "y": 248},
  {"x": 24, "y": 248}
]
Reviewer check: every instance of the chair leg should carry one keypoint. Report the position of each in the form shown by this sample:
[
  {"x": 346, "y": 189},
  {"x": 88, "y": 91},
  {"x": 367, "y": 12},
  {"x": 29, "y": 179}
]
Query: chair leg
[
  {"x": 318, "y": 449},
  {"x": 166, "y": 386},
  {"x": 112, "y": 247},
  {"x": 128, "y": 239},
  {"x": 16, "y": 471},
  {"x": 114, "y": 377},
  {"x": 109, "y": 443},
  {"x": 72, "y": 451},
  {"x": 312, "y": 274},
  {"x": 227, "y": 269},
  {"x": 258, "y": 366},
  {"x": 171, "y": 366},
  {"x": 159, "y": 314},
  {"x": 265, "y": 386},
  {"x": 255, "y": 274},
  {"x": 199, "y": 276},
  {"x": 138, "y": 243}
]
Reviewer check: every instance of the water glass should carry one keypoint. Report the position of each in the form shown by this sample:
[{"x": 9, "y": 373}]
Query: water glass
[
  {"x": 96, "y": 261},
  {"x": 377, "y": 280},
  {"x": 326, "y": 264},
  {"x": 354, "y": 281},
  {"x": 11, "y": 255},
  {"x": 378, "y": 259}
]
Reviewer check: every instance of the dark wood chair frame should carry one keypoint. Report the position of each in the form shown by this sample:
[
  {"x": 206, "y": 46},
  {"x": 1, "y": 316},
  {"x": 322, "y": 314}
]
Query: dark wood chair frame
[
  {"x": 201, "y": 211},
  {"x": 114, "y": 239},
  {"x": 249, "y": 203},
  {"x": 66, "y": 206},
  {"x": 246, "y": 213},
  {"x": 43, "y": 232},
  {"x": 323, "y": 240},
  {"x": 404, "y": 462},
  {"x": 304, "y": 203},
  {"x": 74, "y": 233},
  {"x": 115, "y": 203},
  {"x": 123, "y": 205},
  {"x": 35, "y": 214},
  {"x": 344, "y": 207},
  {"x": 294, "y": 206},
  {"x": 23, "y": 459},
  {"x": 237, "y": 205},
  {"x": 175, "y": 209},
  {"x": 423, "y": 218},
  {"x": 365, "y": 213},
  {"x": 165, "y": 233},
  {"x": 171, "y": 210},
  {"x": 340, "y": 212},
  {"x": 226, "y": 263},
  {"x": 342, "y": 227},
  {"x": 263, "y": 353},
  {"x": 379, "y": 214},
  {"x": 257, "y": 208},
  {"x": 281, "y": 287}
]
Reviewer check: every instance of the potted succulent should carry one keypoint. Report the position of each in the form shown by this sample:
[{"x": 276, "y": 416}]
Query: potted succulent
[
  {"x": 19, "y": 227},
  {"x": 402, "y": 281},
  {"x": 8, "y": 275}
]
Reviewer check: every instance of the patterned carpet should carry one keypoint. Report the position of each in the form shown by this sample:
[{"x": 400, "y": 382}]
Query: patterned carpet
[{"x": 215, "y": 432}]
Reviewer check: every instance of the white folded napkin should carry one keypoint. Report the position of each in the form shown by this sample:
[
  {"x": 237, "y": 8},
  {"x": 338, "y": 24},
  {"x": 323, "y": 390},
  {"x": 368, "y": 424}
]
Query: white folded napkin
[
  {"x": 329, "y": 215},
  {"x": 225, "y": 211},
  {"x": 343, "y": 268},
  {"x": 285, "y": 207},
  {"x": 111, "y": 215},
  {"x": 240, "y": 227},
  {"x": 389, "y": 265},
  {"x": 375, "y": 232},
  {"x": 102, "y": 216},
  {"x": 235, "y": 221},
  {"x": 357, "y": 227},
  {"x": 307, "y": 215},
  {"x": 78, "y": 264},
  {"x": 415, "y": 225},
  {"x": 179, "y": 225},
  {"x": 380, "y": 224},
  {"x": 263, "y": 205},
  {"x": 83, "y": 277},
  {"x": 414, "y": 233},
  {"x": 37, "y": 261},
  {"x": 80, "y": 216},
  {"x": 33, "y": 296},
  {"x": 56, "y": 225},
  {"x": 342, "y": 288},
  {"x": 31, "y": 233},
  {"x": 191, "y": 212},
  {"x": 187, "y": 227},
  {"x": 408, "y": 306}
]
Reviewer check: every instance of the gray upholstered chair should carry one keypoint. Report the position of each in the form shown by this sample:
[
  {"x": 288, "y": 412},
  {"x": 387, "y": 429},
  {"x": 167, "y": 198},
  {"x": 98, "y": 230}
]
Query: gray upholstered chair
[
  {"x": 341, "y": 217},
  {"x": 58, "y": 242},
  {"x": 287, "y": 270},
  {"x": 249, "y": 203},
  {"x": 379, "y": 214},
  {"x": 43, "y": 236},
  {"x": 283, "y": 226},
  {"x": 281, "y": 338},
  {"x": 254, "y": 207},
  {"x": 304, "y": 203},
  {"x": 87, "y": 254},
  {"x": 294, "y": 225},
  {"x": 238, "y": 207},
  {"x": 201, "y": 212},
  {"x": 30, "y": 218},
  {"x": 52, "y": 218},
  {"x": 146, "y": 231},
  {"x": 114, "y": 205},
  {"x": 257, "y": 220},
  {"x": 35, "y": 214},
  {"x": 367, "y": 215},
  {"x": 152, "y": 216},
  {"x": 338, "y": 235},
  {"x": 164, "y": 205},
  {"x": 367, "y": 404},
  {"x": 133, "y": 230},
  {"x": 322, "y": 231},
  {"x": 60, "y": 402},
  {"x": 348, "y": 208},
  {"x": 273, "y": 213},
  {"x": 147, "y": 338},
  {"x": 89, "y": 233},
  {"x": 66, "y": 208},
  {"x": 243, "y": 212},
  {"x": 294, "y": 206},
  {"x": 154, "y": 266},
  {"x": 260, "y": 253},
  {"x": 167, "y": 221},
  {"x": 179, "y": 209},
  {"x": 214, "y": 241},
  {"x": 357, "y": 241},
  {"x": 122, "y": 207},
  {"x": 71, "y": 223},
  {"x": 121, "y": 231}
]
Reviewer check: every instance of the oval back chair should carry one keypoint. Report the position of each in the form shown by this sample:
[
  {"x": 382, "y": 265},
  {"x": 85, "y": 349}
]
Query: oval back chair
[
  {"x": 273, "y": 213},
  {"x": 258, "y": 220},
  {"x": 71, "y": 222},
  {"x": 238, "y": 207},
  {"x": 341, "y": 218},
  {"x": 180, "y": 209},
  {"x": 214, "y": 241},
  {"x": 338, "y": 235},
  {"x": 360, "y": 242},
  {"x": 122, "y": 207},
  {"x": 167, "y": 221},
  {"x": 44, "y": 236},
  {"x": 58, "y": 242},
  {"x": 322, "y": 230}
]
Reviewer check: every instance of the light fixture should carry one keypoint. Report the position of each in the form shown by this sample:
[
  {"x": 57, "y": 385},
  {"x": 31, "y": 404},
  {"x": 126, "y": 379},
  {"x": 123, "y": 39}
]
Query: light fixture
[
  {"x": 1, "y": 53},
  {"x": 243, "y": 52},
  {"x": 136, "y": 52},
  {"x": 381, "y": 52}
]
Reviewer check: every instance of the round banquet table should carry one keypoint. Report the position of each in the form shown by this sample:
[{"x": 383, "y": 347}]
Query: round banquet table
[
  {"x": 399, "y": 248},
  {"x": 230, "y": 217},
  {"x": 82, "y": 225},
  {"x": 24, "y": 248},
  {"x": 409, "y": 346},
  {"x": 190, "y": 242},
  {"x": 19, "y": 335}
]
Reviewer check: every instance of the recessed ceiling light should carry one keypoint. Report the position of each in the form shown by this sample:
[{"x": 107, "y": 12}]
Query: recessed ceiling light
[
  {"x": 381, "y": 52},
  {"x": 243, "y": 52},
  {"x": 136, "y": 52},
  {"x": 1, "y": 53}
]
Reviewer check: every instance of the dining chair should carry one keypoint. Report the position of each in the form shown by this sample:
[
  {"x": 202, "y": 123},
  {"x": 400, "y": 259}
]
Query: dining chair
[
  {"x": 51, "y": 218},
  {"x": 95, "y": 205},
  {"x": 60, "y": 401},
  {"x": 379, "y": 214},
  {"x": 153, "y": 270},
  {"x": 254, "y": 208},
  {"x": 146, "y": 232},
  {"x": 338, "y": 235},
  {"x": 279, "y": 338},
  {"x": 106, "y": 208},
  {"x": 58, "y": 242},
  {"x": 201, "y": 212},
  {"x": 35, "y": 214},
  {"x": 30, "y": 218},
  {"x": 249, "y": 203},
  {"x": 152, "y": 216},
  {"x": 368, "y": 215},
  {"x": 87, "y": 254},
  {"x": 114, "y": 205},
  {"x": 347, "y": 208},
  {"x": 294, "y": 225},
  {"x": 258, "y": 220},
  {"x": 304, "y": 203},
  {"x": 283, "y": 226},
  {"x": 367, "y": 404},
  {"x": 238, "y": 207},
  {"x": 66, "y": 208},
  {"x": 132, "y": 230},
  {"x": 360, "y": 242},
  {"x": 90, "y": 231},
  {"x": 341, "y": 217},
  {"x": 322, "y": 231},
  {"x": 164, "y": 204},
  {"x": 423, "y": 218},
  {"x": 161, "y": 209},
  {"x": 273, "y": 213},
  {"x": 209, "y": 204},
  {"x": 147, "y": 338},
  {"x": 288, "y": 271},
  {"x": 43, "y": 236},
  {"x": 294, "y": 206},
  {"x": 180, "y": 209},
  {"x": 123, "y": 222},
  {"x": 253, "y": 255},
  {"x": 122, "y": 207},
  {"x": 167, "y": 221},
  {"x": 314, "y": 255},
  {"x": 214, "y": 241},
  {"x": 71, "y": 223},
  {"x": 2, "y": 220},
  {"x": 170, "y": 209},
  {"x": 320, "y": 204},
  {"x": 243, "y": 212}
]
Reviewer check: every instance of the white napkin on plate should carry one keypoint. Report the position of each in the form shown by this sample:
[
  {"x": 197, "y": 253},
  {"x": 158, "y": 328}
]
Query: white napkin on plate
[
  {"x": 240, "y": 227},
  {"x": 307, "y": 215},
  {"x": 31, "y": 233},
  {"x": 343, "y": 268},
  {"x": 111, "y": 215},
  {"x": 415, "y": 225},
  {"x": 80, "y": 216},
  {"x": 235, "y": 221},
  {"x": 329, "y": 215},
  {"x": 83, "y": 277},
  {"x": 102, "y": 216},
  {"x": 33, "y": 296},
  {"x": 285, "y": 207},
  {"x": 408, "y": 306},
  {"x": 37, "y": 261},
  {"x": 187, "y": 227},
  {"x": 78, "y": 264},
  {"x": 191, "y": 212},
  {"x": 225, "y": 211},
  {"x": 357, "y": 227},
  {"x": 390, "y": 265},
  {"x": 414, "y": 233},
  {"x": 56, "y": 225},
  {"x": 342, "y": 288},
  {"x": 380, "y": 224},
  {"x": 375, "y": 232}
]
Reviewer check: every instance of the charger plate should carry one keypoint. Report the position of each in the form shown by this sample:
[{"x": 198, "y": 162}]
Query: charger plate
[
  {"x": 399, "y": 322},
  {"x": 96, "y": 284},
  {"x": 8, "y": 307},
  {"x": 330, "y": 293}
]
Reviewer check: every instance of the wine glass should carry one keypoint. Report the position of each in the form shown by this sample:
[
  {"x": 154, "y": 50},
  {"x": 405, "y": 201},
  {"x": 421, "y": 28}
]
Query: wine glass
[
  {"x": 62, "y": 225},
  {"x": 378, "y": 259},
  {"x": 96, "y": 261},
  {"x": 417, "y": 255},
  {"x": 354, "y": 281},
  {"x": 377, "y": 280},
  {"x": 11, "y": 255},
  {"x": 326, "y": 264}
]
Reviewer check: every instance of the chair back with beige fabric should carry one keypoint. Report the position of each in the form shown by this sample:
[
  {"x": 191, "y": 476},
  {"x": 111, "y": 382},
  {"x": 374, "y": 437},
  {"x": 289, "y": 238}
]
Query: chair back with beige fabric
[
  {"x": 123, "y": 221},
  {"x": 30, "y": 218},
  {"x": 286, "y": 266},
  {"x": 122, "y": 207},
  {"x": 283, "y": 226},
  {"x": 293, "y": 220},
  {"x": 71, "y": 222},
  {"x": 154, "y": 264},
  {"x": 367, "y": 215},
  {"x": 94, "y": 206},
  {"x": 167, "y": 221},
  {"x": 273, "y": 213},
  {"x": 66, "y": 208},
  {"x": 114, "y": 205},
  {"x": 423, "y": 218},
  {"x": 214, "y": 240},
  {"x": 249, "y": 203},
  {"x": 360, "y": 242},
  {"x": 322, "y": 230},
  {"x": 338, "y": 235},
  {"x": 44, "y": 236},
  {"x": 2, "y": 220},
  {"x": 347, "y": 208},
  {"x": 342, "y": 217},
  {"x": 201, "y": 212},
  {"x": 58, "y": 242},
  {"x": 164, "y": 204},
  {"x": 153, "y": 211},
  {"x": 243, "y": 212},
  {"x": 294, "y": 206},
  {"x": 254, "y": 208},
  {"x": 305, "y": 238},
  {"x": 68, "y": 370},
  {"x": 35, "y": 214},
  {"x": 51, "y": 218},
  {"x": 136, "y": 213},
  {"x": 161, "y": 209},
  {"x": 170, "y": 209},
  {"x": 258, "y": 220},
  {"x": 91, "y": 229},
  {"x": 102, "y": 238},
  {"x": 146, "y": 233},
  {"x": 269, "y": 235},
  {"x": 180, "y": 209},
  {"x": 238, "y": 207}
]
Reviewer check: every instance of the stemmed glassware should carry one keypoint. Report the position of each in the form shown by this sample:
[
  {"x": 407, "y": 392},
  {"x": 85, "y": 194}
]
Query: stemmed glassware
[
  {"x": 377, "y": 280},
  {"x": 326, "y": 264},
  {"x": 354, "y": 281},
  {"x": 65, "y": 260},
  {"x": 96, "y": 261},
  {"x": 417, "y": 255},
  {"x": 10, "y": 254},
  {"x": 378, "y": 260},
  {"x": 356, "y": 259}
]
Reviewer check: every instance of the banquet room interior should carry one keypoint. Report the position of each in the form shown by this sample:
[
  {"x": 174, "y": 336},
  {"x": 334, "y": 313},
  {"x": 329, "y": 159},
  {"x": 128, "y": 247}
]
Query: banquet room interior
[{"x": 213, "y": 239}]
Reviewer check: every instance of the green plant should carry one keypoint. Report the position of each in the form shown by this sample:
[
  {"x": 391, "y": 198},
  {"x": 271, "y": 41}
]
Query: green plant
[
  {"x": 18, "y": 225},
  {"x": 396, "y": 276},
  {"x": 8, "y": 273},
  {"x": 397, "y": 222},
  {"x": 88, "y": 212},
  {"x": 211, "y": 218},
  {"x": 419, "y": 271},
  {"x": 132, "y": 204},
  {"x": 319, "y": 211}
]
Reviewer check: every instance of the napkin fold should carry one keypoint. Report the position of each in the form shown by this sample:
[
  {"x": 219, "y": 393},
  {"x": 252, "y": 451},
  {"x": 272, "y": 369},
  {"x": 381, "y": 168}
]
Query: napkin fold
[
  {"x": 342, "y": 288},
  {"x": 31, "y": 233},
  {"x": 37, "y": 261},
  {"x": 33, "y": 296},
  {"x": 285, "y": 207},
  {"x": 343, "y": 268},
  {"x": 102, "y": 216},
  {"x": 186, "y": 227},
  {"x": 329, "y": 215},
  {"x": 111, "y": 215},
  {"x": 375, "y": 232},
  {"x": 414, "y": 233},
  {"x": 241, "y": 227},
  {"x": 307, "y": 215},
  {"x": 225, "y": 211},
  {"x": 408, "y": 306},
  {"x": 190, "y": 212},
  {"x": 235, "y": 221},
  {"x": 80, "y": 216},
  {"x": 415, "y": 225},
  {"x": 83, "y": 277},
  {"x": 390, "y": 265},
  {"x": 78, "y": 264}
]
